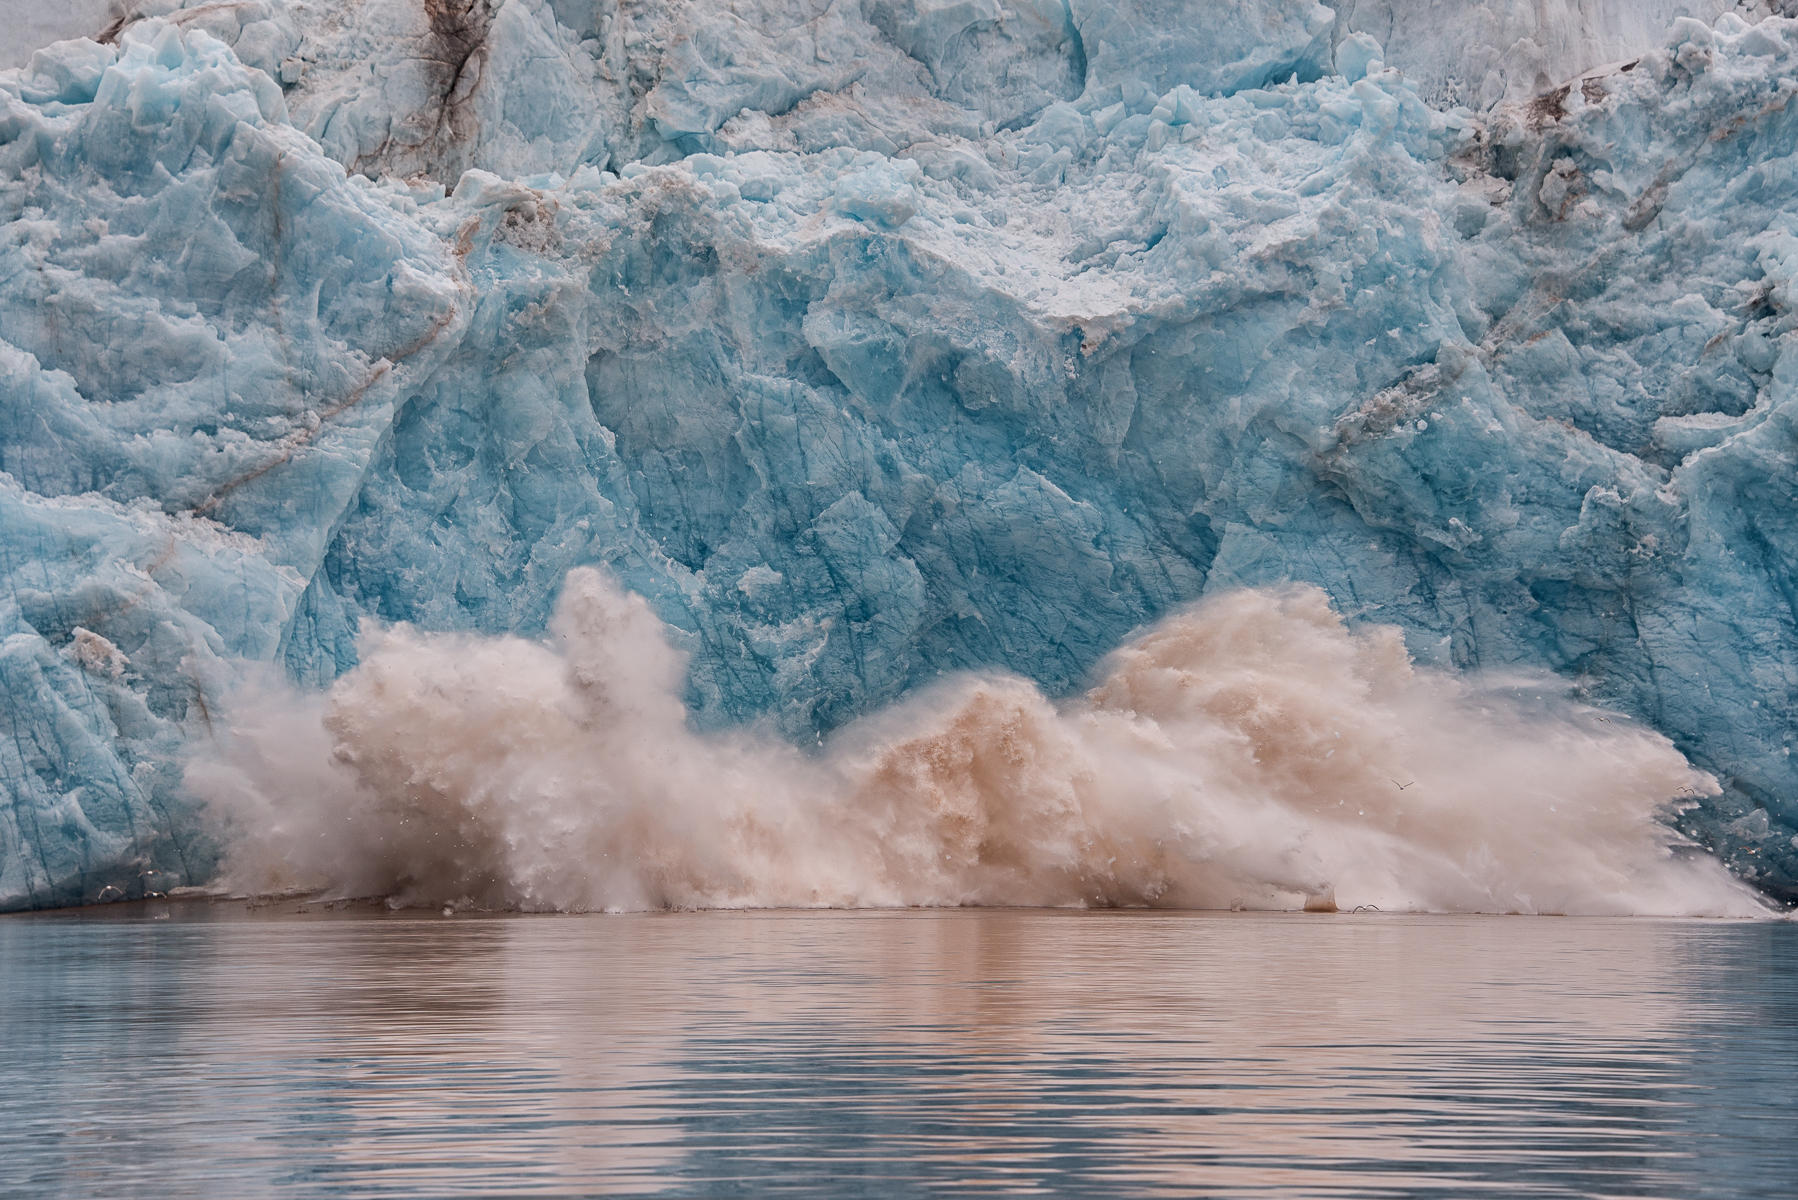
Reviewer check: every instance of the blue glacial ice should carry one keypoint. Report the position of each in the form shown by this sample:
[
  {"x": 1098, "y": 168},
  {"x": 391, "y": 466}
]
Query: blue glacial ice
[{"x": 874, "y": 342}]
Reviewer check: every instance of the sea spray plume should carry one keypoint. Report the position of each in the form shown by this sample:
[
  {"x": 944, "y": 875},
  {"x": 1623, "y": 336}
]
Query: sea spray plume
[{"x": 1252, "y": 750}]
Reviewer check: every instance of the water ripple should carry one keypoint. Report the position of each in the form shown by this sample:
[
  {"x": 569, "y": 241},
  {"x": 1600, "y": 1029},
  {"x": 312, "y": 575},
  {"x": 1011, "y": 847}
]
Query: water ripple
[{"x": 229, "y": 1052}]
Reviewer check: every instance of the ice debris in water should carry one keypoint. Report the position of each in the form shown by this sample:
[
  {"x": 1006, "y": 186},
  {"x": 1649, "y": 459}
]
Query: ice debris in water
[{"x": 872, "y": 342}]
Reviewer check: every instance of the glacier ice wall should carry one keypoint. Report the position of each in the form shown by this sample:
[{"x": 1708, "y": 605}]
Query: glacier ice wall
[
  {"x": 1481, "y": 54},
  {"x": 32, "y": 25},
  {"x": 873, "y": 342}
]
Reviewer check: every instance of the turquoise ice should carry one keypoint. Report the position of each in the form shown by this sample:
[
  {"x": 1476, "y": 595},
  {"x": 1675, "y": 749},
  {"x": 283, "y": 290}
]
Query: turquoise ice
[{"x": 872, "y": 342}]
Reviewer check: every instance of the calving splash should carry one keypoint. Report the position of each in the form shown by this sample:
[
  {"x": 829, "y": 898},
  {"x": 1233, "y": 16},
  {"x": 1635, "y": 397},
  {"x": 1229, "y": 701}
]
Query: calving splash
[{"x": 1252, "y": 750}]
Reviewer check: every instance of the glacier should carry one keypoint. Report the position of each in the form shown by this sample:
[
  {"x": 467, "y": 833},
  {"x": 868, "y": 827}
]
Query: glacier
[{"x": 873, "y": 342}]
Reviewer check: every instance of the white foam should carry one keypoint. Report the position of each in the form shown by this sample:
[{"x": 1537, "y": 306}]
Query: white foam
[{"x": 1251, "y": 751}]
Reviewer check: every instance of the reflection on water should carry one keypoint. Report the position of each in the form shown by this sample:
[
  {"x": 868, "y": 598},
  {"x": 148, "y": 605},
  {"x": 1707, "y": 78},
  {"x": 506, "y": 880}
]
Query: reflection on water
[{"x": 208, "y": 1050}]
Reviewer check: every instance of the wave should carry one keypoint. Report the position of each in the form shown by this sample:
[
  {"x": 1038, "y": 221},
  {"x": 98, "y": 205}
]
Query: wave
[{"x": 1251, "y": 751}]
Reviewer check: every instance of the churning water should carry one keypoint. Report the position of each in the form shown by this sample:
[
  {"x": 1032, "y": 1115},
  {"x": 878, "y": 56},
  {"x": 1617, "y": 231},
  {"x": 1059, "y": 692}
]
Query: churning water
[{"x": 221, "y": 1051}]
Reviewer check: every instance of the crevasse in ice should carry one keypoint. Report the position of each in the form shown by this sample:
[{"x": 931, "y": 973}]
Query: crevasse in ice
[{"x": 873, "y": 341}]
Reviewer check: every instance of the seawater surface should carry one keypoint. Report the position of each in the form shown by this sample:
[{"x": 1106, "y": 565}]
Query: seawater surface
[{"x": 216, "y": 1050}]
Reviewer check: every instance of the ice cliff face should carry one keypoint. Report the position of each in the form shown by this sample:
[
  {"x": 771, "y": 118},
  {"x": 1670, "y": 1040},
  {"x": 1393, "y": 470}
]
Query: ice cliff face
[
  {"x": 1514, "y": 50},
  {"x": 870, "y": 342}
]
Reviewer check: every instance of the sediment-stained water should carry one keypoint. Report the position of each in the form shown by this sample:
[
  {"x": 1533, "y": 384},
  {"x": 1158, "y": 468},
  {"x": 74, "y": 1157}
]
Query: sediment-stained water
[{"x": 218, "y": 1050}]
